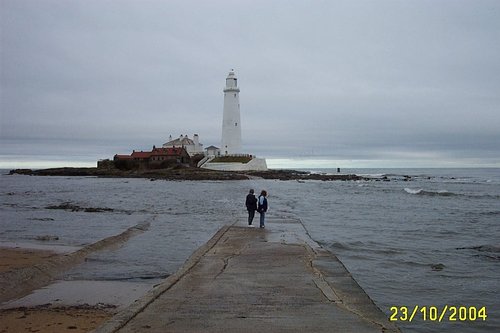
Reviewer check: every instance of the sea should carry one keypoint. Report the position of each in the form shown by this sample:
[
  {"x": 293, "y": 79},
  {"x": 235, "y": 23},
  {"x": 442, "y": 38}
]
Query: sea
[{"x": 421, "y": 239}]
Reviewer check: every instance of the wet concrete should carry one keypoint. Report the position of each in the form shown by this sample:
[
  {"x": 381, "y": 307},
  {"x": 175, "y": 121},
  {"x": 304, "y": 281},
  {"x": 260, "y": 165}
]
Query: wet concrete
[{"x": 267, "y": 280}]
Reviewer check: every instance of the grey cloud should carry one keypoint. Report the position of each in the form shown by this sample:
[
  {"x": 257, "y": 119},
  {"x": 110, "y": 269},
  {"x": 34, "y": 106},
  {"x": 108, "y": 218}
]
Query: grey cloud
[{"x": 355, "y": 79}]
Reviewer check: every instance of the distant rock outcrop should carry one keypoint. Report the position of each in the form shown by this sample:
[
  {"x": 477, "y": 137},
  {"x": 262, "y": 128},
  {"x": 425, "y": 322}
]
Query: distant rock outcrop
[{"x": 179, "y": 172}]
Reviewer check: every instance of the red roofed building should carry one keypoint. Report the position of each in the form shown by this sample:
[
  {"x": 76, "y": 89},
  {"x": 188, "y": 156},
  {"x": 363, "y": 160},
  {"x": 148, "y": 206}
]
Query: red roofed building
[
  {"x": 123, "y": 157},
  {"x": 163, "y": 154},
  {"x": 154, "y": 159},
  {"x": 140, "y": 155}
]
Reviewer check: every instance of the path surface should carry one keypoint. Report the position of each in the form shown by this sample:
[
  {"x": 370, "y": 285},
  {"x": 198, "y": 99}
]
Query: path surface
[{"x": 256, "y": 280}]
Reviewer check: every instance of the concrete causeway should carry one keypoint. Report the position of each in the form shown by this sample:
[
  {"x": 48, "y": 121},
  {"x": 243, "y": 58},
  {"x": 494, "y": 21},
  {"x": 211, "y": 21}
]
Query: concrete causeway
[{"x": 256, "y": 280}]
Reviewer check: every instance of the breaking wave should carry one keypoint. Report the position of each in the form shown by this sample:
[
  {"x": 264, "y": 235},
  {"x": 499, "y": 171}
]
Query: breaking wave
[
  {"x": 445, "y": 193},
  {"x": 421, "y": 191}
]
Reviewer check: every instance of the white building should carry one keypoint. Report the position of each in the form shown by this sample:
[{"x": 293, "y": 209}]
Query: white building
[
  {"x": 231, "y": 122},
  {"x": 192, "y": 146},
  {"x": 212, "y": 151}
]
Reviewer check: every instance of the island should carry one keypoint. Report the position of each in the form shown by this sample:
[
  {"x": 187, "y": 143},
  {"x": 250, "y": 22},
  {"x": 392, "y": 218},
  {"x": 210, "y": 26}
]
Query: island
[{"x": 183, "y": 172}]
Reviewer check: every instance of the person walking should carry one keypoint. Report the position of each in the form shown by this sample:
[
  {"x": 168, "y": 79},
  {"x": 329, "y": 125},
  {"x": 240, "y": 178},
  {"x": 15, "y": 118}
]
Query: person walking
[
  {"x": 251, "y": 204},
  {"x": 262, "y": 207}
]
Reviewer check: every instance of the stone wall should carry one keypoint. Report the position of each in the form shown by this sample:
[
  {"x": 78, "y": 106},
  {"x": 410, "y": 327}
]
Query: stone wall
[{"x": 256, "y": 164}]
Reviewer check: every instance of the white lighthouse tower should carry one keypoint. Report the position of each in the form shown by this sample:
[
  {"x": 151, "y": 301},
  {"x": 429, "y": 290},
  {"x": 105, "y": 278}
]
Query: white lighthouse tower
[
  {"x": 231, "y": 136},
  {"x": 231, "y": 123}
]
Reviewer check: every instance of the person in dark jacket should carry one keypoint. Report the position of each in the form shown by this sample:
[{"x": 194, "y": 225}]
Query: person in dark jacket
[
  {"x": 262, "y": 207},
  {"x": 251, "y": 204}
]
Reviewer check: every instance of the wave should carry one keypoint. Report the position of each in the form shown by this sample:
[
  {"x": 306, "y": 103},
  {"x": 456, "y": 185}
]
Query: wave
[
  {"x": 372, "y": 175},
  {"x": 344, "y": 246},
  {"x": 445, "y": 193},
  {"x": 490, "y": 213},
  {"x": 491, "y": 252},
  {"x": 482, "y": 248},
  {"x": 413, "y": 191},
  {"x": 421, "y": 191}
]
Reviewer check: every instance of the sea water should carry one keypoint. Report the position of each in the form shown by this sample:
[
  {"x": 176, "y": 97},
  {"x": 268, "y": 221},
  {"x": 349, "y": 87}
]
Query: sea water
[{"x": 410, "y": 237}]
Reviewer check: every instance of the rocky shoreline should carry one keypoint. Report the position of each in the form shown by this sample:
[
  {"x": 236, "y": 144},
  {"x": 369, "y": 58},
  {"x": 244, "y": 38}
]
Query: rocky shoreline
[{"x": 185, "y": 173}]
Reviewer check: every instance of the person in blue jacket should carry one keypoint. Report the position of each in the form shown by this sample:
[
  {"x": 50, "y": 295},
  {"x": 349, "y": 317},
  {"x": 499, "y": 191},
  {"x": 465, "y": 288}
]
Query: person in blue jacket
[{"x": 262, "y": 207}]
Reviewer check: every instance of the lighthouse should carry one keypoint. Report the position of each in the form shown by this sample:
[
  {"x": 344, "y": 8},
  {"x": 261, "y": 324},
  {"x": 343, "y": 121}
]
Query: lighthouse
[
  {"x": 231, "y": 137},
  {"x": 231, "y": 122}
]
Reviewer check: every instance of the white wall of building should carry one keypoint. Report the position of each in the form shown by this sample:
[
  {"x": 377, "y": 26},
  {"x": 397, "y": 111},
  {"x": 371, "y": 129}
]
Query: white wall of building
[
  {"x": 192, "y": 146},
  {"x": 256, "y": 164}
]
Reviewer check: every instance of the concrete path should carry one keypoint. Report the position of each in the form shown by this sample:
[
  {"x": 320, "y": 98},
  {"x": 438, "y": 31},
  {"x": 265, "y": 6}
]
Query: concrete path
[{"x": 256, "y": 280}]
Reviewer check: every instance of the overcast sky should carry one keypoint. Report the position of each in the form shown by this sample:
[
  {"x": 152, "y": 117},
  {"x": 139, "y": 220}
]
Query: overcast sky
[{"x": 357, "y": 83}]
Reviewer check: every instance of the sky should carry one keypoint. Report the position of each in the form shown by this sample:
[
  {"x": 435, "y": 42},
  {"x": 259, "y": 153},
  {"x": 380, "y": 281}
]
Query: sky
[{"x": 323, "y": 83}]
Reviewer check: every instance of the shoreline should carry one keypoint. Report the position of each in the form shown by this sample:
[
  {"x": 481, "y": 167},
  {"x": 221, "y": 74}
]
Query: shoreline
[
  {"x": 186, "y": 173},
  {"x": 34, "y": 299},
  {"x": 21, "y": 281},
  {"x": 47, "y": 317},
  {"x": 22, "y": 257}
]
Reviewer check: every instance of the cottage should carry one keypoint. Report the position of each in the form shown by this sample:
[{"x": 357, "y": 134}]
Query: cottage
[
  {"x": 156, "y": 158},
  {"x": 179, "y": 154}
]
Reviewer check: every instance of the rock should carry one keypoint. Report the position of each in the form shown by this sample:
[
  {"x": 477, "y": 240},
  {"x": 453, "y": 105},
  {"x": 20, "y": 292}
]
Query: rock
[
  {"x": 75, "y": 208},
  {"x": 21, "y": 172},
  {"x": 437, "y": 267},
  {"x": 46, "y": 238}
]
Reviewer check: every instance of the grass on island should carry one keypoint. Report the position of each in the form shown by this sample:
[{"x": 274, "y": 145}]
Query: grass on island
[{"x": 231, "y": 159}]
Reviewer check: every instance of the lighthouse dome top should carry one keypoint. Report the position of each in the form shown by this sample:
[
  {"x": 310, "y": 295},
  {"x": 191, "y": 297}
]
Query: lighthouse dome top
[{"x": 231, "y": 82}]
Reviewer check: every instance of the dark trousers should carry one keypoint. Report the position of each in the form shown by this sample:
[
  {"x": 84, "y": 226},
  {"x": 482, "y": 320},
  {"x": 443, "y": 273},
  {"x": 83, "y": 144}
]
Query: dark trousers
[{"x": 251, "y": 214}]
